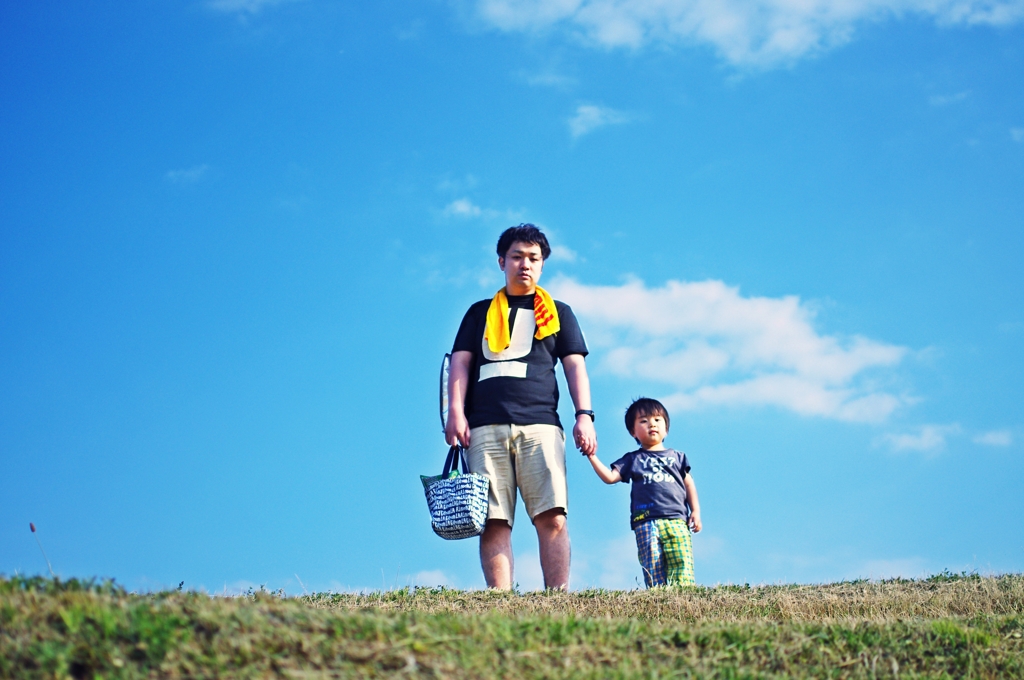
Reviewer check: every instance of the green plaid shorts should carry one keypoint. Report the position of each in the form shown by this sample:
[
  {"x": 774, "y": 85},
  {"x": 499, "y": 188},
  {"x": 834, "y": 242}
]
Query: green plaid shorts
[{"x": 665, "y": 552}]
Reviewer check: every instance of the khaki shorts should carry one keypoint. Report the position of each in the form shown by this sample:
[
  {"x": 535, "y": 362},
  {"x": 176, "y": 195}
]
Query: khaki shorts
[{"x": 530, "y": 458}]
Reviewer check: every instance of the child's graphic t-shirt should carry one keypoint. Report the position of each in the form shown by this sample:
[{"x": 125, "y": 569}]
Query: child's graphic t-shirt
[{"x": 657, "y": 478}]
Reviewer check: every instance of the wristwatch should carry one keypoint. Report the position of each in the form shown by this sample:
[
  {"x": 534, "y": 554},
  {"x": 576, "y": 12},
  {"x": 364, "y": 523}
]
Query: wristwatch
[{"x": 586, "y": 412}]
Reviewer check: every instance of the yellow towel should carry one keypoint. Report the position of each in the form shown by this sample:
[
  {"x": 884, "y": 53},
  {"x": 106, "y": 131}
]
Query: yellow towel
[{"x": 497, "y": 331}]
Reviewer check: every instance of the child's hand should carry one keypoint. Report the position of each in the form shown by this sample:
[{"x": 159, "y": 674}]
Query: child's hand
[{"x": 695, "y": 525}]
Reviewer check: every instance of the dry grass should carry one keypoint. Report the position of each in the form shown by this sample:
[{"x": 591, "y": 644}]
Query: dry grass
[
  {"x": 947, "y": 626},
  {"x": 943, "y": 596}
]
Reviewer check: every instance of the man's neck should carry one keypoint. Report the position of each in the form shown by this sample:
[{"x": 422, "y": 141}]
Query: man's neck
[{"x": 519, "y": 291}]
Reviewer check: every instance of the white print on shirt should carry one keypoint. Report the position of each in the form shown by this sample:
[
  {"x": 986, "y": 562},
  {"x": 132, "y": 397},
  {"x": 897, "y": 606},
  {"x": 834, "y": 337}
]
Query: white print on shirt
[
  {"x": 657, "y": 470},
  {"x": 521, "y": 343}
]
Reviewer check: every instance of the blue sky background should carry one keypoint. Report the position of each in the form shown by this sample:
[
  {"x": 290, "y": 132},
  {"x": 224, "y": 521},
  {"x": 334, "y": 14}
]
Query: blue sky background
[{"x": 237, "y": 236}]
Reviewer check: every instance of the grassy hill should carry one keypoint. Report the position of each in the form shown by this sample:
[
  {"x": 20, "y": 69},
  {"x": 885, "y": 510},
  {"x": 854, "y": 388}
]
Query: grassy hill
[{"x": 944, "y": 626}]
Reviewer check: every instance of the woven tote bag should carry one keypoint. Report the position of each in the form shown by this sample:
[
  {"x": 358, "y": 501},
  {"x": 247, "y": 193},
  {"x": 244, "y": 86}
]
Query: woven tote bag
[{"x": 457, "y": 502}]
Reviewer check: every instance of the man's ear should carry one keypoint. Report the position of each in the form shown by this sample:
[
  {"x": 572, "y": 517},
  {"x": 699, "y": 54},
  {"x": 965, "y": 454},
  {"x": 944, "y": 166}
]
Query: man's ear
[{"x": 501, "y": 263}]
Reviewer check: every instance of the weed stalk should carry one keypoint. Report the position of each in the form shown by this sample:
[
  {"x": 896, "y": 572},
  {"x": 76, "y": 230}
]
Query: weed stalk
[{"x": 40, "y": 544}]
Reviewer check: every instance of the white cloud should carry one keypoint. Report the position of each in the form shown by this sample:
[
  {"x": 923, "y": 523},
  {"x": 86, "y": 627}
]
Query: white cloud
[
  {"x": 446, "y": 277},
  {"x": 947, "y": 99},
  {"x": 928, "y": 439},
  {"x": 707, "y": 547},
  {"x": 590, "y": 117},
  {"x": 527, "y": 574},
  {"x": 715, "y": 347},
  {"x": 549, "y": 79},
  {"x": 462, "y": 207},
  {"x": 431, "y": 578},
  {"x": 188, "y": 175},
  {"x": 995, "y": 438},
  {"x": 563, "y": 254},
  {"x": 244, "y": 6},
  {"x": 411, "y": 31},
  {"x": 611, "y": 564},
  {"x": 458, "y": 184},
  {"x": 617, "y": 566},
  {"x": 743, "y": 32},
  {"x": 1017, "y": 134}
]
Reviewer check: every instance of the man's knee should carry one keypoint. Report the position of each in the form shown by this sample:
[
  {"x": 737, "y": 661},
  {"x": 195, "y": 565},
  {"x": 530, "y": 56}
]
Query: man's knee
[
  {"x": 496, "y": 530},
  {"x": 551, "y": 520}
]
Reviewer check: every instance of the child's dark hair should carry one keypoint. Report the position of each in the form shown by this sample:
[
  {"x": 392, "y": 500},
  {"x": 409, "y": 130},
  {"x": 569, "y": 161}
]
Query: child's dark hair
[
  {"x": 524, "y": 233},
  {"x": 642, "y": 406}
]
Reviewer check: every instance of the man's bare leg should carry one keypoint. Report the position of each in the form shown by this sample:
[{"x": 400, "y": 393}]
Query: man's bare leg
[
  {"x": 553, "y": 537},
  {"x": 496, "y": 554}
]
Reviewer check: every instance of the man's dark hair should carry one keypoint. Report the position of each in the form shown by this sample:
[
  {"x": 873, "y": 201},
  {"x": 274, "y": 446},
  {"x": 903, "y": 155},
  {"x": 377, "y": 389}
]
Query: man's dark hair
[
  {"x": 645, "y": 407},
  {"x": 524, "y": 233}
]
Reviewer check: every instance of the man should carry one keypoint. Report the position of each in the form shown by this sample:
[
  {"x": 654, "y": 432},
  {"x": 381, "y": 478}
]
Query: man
[{"x": 503, "y": 406}]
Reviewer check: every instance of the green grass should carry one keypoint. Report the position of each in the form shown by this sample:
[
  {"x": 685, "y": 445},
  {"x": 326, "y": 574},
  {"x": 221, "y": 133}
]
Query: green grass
[{"x": 946, "y": 626}]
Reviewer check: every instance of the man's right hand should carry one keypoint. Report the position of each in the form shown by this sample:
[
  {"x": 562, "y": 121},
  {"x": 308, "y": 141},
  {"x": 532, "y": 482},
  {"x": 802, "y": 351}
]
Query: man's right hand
[
  {"x": 457, "y": 429},
  {"x": 584, "y": 435}
]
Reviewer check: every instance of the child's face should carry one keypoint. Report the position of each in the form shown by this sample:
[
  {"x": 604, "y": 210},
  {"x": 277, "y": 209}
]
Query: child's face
[{"x": 650, "y": 431}]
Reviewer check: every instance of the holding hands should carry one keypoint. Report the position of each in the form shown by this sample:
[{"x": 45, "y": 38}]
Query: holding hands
[{"x": 584, "y": 435}]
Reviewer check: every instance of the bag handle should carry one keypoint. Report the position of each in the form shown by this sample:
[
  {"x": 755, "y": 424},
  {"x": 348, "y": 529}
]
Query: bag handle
[
  {"x": 452, "y": 463},
  {"x": 445, "y": 373}
]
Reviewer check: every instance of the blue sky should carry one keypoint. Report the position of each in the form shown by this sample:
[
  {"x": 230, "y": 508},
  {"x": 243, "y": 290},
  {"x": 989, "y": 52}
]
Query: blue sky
[{"x": 237, "y": 236}]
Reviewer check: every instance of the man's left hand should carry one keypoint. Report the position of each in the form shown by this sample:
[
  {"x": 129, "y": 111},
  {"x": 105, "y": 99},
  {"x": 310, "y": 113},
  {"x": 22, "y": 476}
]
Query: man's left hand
[{"x": 584, "y": 435}]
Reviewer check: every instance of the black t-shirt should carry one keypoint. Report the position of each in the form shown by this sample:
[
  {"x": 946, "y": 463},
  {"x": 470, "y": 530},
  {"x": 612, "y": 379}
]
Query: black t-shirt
[
  {"x": 658, "y": 491},
  {"x": 516, "y": 386}
]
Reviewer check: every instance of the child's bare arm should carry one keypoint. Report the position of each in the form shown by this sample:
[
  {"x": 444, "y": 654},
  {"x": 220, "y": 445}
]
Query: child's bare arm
[
  {"x": 607, "y": 475},
  {"x": 694, "y": 502}
]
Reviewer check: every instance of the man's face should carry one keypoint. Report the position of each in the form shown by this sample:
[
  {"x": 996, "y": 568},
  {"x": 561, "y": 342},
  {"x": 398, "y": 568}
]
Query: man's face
[{"x": 522, "y": 264}]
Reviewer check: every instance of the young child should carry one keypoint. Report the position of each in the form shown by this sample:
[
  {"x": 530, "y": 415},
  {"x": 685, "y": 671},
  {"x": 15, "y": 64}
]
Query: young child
[{"x": 663, "y": 501}]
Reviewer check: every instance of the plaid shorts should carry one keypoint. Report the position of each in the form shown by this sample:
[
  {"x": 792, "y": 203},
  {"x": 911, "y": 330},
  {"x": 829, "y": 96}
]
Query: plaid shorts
[{"x": 665, "y": 552}]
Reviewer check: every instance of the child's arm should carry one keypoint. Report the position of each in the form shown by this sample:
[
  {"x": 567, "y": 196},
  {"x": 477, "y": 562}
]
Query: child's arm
[
  {"x": 694, "y": 503},
  {"x": 607, "y": 475}
]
